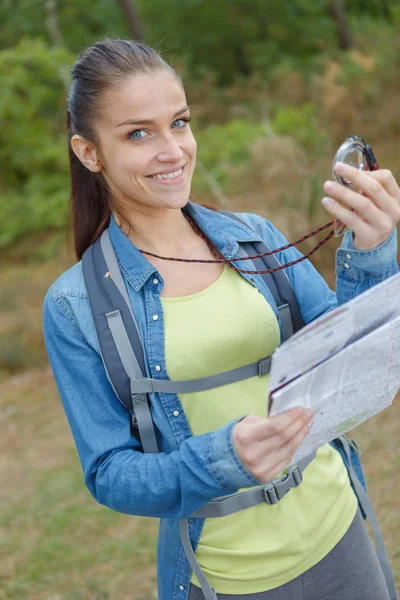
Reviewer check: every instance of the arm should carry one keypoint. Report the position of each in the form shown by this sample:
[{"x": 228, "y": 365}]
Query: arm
[{"x": 116, "y": 471}]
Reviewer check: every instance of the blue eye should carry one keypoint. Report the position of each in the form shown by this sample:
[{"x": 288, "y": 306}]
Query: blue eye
[
  {"x": 138, "y": 134},
  {"x": 183, "y": 122}
]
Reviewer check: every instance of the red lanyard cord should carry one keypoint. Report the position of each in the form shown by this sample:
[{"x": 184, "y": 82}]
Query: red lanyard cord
[{"x": 230, "y": 261}]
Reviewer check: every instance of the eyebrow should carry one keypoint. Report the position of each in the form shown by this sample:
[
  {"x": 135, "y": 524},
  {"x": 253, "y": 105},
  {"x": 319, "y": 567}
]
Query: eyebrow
[{"x": 148, "y": 121}]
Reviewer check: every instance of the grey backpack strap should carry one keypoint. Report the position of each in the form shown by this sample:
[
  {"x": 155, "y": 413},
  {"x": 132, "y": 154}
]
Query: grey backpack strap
[
  {"x": 188, "y": 386},
  {"x": 367, "y": 507},
  {"x": 208, "y": 591},
  {"x": 278, "y": 283},
  {"x": 117, "y": 333},
  {"x": 271, "y": 493}
]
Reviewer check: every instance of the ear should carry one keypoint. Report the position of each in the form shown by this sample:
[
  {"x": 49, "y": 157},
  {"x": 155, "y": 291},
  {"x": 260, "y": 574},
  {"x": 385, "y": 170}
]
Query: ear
[{"x": 86, "y": 152}]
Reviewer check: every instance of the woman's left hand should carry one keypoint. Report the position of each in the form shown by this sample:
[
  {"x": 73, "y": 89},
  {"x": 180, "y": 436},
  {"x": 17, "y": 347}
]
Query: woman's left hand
[{"x": 377, "y": 210}]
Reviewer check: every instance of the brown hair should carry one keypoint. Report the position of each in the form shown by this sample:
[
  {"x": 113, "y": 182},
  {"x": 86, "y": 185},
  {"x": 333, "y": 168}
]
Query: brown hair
[{"x": 101, "y": 67}]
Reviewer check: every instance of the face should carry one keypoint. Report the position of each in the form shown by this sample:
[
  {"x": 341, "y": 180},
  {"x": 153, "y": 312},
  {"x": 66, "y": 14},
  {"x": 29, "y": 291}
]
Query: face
[{"x": 147, "y": 150}]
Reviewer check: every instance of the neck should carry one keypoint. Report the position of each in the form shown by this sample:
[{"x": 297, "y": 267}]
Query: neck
[{"x": 167, "y": 233}]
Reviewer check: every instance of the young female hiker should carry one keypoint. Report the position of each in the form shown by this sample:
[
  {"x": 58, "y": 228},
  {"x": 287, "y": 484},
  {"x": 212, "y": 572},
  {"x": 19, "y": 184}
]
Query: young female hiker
[{"x": 132, "y": 157}]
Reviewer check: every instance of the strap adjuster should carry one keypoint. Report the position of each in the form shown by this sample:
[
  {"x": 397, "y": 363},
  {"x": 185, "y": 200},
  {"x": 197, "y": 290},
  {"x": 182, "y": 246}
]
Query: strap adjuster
[
  {"x": 264, "y": 366},
  {"x": 276, "y": 490}
]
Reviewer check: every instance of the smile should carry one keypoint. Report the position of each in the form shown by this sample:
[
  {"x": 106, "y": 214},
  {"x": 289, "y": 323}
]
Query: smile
[{"x": 175, "y": 176}]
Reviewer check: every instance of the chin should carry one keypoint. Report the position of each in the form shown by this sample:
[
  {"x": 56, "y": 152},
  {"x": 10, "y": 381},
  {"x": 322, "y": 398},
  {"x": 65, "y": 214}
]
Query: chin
[{"x": 179, "y": 202}]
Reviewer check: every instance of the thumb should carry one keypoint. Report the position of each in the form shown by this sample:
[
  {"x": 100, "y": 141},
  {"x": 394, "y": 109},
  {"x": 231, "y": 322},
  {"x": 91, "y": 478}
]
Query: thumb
[{"x": 253, "y": 419}]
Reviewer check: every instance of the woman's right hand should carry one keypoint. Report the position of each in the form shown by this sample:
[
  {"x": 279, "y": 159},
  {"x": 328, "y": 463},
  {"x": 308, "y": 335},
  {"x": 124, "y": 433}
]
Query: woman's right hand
[{"x": 266, "y": 445}]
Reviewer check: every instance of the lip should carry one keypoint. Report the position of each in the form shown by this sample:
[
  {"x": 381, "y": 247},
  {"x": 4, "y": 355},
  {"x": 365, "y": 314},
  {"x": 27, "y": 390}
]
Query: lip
[{"x": 175, "y": 181}]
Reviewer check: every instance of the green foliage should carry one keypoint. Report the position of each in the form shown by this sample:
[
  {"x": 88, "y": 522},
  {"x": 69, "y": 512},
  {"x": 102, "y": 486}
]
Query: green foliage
[
  {"x": 231, "y": 44},
  {"x": 224, "y": 149},
  {"x": 301, "y": 123},
  {"x": 80, "y": 23},
  {"x": 33, "y": 157}
]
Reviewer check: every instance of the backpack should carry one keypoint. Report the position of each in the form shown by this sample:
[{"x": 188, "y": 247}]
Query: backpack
[{"x": 123, "y": 358}]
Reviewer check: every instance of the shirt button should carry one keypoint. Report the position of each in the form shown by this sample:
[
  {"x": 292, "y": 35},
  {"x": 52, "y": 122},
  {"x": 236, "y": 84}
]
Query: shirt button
[
  {"x": 348, "y": 256},
  {"x": 181, "y": 587},
  {"x": 158, "y": 368},
  {"x": 155, "y": 280},
  {"x": 346, "y": 266},
  {"x": 155, "y": 317},
  {"x": 176, "y": 413}
]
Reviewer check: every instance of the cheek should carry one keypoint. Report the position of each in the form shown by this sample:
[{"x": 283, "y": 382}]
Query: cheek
[
  {"x": 192, "y": 146},
  {"x": 129, "y": 162}
]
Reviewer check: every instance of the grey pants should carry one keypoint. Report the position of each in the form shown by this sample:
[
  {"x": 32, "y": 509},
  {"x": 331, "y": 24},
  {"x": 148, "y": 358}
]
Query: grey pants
[{"x": 351, "y": 571}]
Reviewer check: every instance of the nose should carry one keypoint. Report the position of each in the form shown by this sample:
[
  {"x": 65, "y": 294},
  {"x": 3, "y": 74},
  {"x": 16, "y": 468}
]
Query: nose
[{"x": 170, "y": 151}]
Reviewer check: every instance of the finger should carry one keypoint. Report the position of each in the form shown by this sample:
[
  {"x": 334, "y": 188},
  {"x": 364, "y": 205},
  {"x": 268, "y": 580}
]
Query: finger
[
  {"x": 297, "y": 440},
  {"x": 267, "y": 427},
  {"x": 281, "y": 428},
  {"x": 283, "y": 438},
  {"x": 371, "y": 187},
  {"x": 388, "y": 180},
  {"x": 284, "y": 455},
  {"x": 349, "y": 218},
  {"x": 363, "y": 205}
]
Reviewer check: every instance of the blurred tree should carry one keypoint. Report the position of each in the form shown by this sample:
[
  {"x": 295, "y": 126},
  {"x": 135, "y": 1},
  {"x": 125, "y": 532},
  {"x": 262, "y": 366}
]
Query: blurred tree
[
  {"x": 229, "y": 38},
  {"x": 52, "y": 22},
  {"x": 129, "y": 11},
  {"x": 336, "y": 9}
]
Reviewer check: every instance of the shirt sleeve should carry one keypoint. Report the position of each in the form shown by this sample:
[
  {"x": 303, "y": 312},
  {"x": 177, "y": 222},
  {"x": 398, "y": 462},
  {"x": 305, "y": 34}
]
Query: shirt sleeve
[
  {"x": 117, "y": 473},
  {"x": 359, "y": 270}
]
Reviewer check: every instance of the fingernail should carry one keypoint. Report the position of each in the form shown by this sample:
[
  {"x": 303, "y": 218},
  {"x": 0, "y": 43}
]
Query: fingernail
[
  {"x": 310, "y": 412},
  {"x": 310, "y": 424},
  {"x": 326, "y": 201},
  {"x": 329, "y": 186},
  {"x": 340, "y": 167}
]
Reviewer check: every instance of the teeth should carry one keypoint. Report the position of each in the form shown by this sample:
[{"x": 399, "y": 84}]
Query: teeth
[{"x": 168, "y": 175}]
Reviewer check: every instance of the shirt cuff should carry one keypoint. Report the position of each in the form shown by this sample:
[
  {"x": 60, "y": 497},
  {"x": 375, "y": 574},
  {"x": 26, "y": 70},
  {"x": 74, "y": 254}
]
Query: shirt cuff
[
  {"x": 380, "y": 261},
  {"x": 223, "y": 462}
]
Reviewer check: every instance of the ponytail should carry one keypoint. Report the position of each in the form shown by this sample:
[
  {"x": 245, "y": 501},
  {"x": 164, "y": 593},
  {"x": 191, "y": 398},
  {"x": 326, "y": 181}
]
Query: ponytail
[{"x": 90, "y": 204}]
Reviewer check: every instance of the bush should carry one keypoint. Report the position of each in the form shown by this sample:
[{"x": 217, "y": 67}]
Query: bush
[
  {"x": 224, "y": 150},
  {"x": 33, "y": 156}
]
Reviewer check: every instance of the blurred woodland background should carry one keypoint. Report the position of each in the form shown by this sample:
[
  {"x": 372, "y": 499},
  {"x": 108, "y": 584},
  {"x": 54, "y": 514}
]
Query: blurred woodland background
[{"x": 275, "y": 86}]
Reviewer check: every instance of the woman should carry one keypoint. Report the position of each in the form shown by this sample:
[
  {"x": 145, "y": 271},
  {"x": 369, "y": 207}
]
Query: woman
[{"x": 132, "y": 157}]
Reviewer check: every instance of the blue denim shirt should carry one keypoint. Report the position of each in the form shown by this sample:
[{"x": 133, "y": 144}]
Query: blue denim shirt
[{"x": 190, "y": 470}]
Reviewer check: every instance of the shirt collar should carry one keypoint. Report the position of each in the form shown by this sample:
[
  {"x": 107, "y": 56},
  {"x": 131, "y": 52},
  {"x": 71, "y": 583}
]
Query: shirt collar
[{"x": 223, "y": 231}]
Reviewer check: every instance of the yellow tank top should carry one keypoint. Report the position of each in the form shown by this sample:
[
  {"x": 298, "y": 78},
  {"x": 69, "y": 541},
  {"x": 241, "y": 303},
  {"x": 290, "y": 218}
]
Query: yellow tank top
[{"x": 228, "y": 325}]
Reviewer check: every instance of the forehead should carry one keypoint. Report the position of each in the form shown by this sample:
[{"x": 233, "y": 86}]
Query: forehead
[{"x": 150, "y": 96}]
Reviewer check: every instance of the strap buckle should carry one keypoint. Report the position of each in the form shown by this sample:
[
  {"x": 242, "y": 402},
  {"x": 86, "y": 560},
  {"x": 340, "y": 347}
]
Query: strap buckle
[{"x": 276, "y": 490}]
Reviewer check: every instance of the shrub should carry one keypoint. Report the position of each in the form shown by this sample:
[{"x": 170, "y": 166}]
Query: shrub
[{"x": 33, "y": 156}]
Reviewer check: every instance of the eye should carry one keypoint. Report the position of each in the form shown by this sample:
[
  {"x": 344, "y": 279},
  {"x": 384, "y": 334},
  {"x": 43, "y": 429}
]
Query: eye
[
  {"x": 181, "y": 123},
  {"x": 137, "y": 134}
]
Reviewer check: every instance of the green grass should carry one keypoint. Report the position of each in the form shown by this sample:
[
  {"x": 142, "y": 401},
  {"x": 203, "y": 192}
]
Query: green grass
[{"x": 56, "y": 542}]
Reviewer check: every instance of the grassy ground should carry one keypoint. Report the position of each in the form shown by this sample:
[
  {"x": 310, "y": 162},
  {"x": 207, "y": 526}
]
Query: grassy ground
[{"x": 56, "y": 543}]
